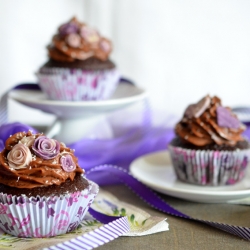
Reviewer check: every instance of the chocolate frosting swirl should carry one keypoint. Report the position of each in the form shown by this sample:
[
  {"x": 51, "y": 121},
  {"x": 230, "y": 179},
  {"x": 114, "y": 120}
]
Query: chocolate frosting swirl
[
  {"x": 38, "y": 172},
  {"x": 208, "y": 122},
  {"x": 77, "y": 41}
]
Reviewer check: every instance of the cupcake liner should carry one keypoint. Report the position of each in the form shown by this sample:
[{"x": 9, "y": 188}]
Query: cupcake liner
[
  {"x": 41, "y": 217},
  {"x": 208, "y": 167},
  {"x": 77, "y": 84}
]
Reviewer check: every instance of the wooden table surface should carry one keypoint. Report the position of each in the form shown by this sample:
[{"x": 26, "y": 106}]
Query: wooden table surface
[{"x": 185, "y": 234}]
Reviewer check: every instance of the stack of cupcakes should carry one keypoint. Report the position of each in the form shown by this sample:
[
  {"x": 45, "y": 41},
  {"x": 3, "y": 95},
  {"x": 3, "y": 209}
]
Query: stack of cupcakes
[
  {"x": 43, "y": 190},
  {"x": 79, "y": 68},
  {"x": 209, "y": 148}
]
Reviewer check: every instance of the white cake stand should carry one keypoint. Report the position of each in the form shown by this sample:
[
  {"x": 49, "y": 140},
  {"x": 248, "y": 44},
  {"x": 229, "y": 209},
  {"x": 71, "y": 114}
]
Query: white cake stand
[{"x": 76, "y": 120}]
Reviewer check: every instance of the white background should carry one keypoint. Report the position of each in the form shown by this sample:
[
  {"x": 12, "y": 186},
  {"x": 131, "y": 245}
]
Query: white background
[{"x": 178, "y": 50}]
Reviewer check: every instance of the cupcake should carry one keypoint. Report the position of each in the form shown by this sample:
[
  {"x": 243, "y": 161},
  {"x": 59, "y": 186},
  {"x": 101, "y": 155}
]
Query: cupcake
[
  {"x": 43, "y": 190},
  {"x": 209, "y": 148},
  {"x": 79, "y": 68}
]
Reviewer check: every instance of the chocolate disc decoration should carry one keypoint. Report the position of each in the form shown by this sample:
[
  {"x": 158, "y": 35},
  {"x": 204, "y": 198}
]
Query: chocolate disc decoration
[
  {"x": 226, "y": 119},
  {"x": 195, "y": 110}
]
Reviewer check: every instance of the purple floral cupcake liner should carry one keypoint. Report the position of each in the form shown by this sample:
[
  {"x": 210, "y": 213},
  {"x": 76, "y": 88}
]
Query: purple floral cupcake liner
[
  {"x": 210, "y": 168},
  {"x": 42, "y": 217},
  {"x": 77, "y": 84}
]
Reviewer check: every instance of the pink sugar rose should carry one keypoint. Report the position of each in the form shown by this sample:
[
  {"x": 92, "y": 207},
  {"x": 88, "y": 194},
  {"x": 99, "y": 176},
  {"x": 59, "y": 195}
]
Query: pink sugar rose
[
  {"x": 89, "y": 34},
  {"x": 19, "y": 157},
  {"x": 73, "y": 40}
]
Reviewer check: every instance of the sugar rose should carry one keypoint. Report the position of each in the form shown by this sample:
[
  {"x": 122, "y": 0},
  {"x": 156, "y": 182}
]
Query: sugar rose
[
  {"x": 89, "y": 34},
  {"x": 19, "y": 157},
  {"x": 67, "y": 163},
  {"x": 46, "y": 148}
]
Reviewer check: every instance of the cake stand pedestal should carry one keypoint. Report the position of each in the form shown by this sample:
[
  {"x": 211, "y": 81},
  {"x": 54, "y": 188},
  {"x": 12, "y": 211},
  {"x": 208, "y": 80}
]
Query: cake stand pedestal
[{"x": 70, "y": 130}]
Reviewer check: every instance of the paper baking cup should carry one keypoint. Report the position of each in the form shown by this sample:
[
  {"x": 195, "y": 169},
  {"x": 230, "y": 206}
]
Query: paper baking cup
[
  {"x": 42, "y": 217},
  {"x": 77, "y": 84},
  {"x": 208, "y": 167}
]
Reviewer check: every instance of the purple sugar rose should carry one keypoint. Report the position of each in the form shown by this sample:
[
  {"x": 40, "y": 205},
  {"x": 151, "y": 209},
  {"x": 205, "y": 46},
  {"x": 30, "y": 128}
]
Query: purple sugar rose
[
  {"x": 46, "y": 148},
  {"x": 68, "y": 28},
  {"x": 67, "y": 163}
]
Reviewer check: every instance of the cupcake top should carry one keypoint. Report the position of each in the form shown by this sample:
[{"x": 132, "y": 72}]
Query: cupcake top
[
  {"x": 207, "y": 122},
  {"x": 33, "y": 160},
  {"x": 75, "y": 40}
]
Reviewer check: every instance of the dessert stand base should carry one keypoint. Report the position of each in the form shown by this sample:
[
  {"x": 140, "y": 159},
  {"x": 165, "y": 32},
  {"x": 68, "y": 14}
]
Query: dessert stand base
[{"x": 71, "y": 130}]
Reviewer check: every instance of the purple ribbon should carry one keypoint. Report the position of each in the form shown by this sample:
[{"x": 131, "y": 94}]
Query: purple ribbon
[
  {"x": 10, "y": 129},
  {"x": 103, "y": 218},
  {"x": 121, "y": 150}
]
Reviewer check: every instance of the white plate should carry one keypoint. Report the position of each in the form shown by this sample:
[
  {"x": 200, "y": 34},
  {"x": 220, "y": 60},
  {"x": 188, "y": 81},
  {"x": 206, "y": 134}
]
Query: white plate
[
  {"x": 125, "y": 95},
  {"x": 155, "y": 170}
]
